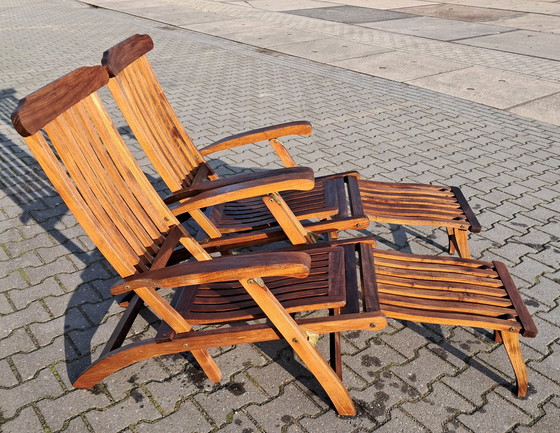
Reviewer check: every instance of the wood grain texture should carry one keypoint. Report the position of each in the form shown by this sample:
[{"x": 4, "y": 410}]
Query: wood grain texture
[
  {"x": 117, "y": 58},
  {"x": 256, "y": 135},
  {"x": 41, "y": 107}
]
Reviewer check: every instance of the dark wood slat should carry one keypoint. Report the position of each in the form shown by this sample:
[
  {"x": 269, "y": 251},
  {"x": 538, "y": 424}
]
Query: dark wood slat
[
  {"x": 41, "y": 107},
  {"x": 473, "y": 220},
  {"x": 529, "y": 327},
  {"x": 123, "y": 54}
]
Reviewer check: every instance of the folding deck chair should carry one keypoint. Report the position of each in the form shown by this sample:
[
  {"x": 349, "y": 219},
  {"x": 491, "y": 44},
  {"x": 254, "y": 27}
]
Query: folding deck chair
[
  {"x": 339, "y": 202},
  {"x": 91, "y": 168},
  {"x": 105, "y": 189}
]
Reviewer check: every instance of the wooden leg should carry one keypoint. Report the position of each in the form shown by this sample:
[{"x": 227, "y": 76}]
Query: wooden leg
[
  {"x": 335, "y": 347},
  {"x": 462, "y": 239},
  {"x": 451, "y": 235},
  {"x": 289, "y": 329},
  {"x": 459, "y": 242},
  {"x": 513, "y": 349}
]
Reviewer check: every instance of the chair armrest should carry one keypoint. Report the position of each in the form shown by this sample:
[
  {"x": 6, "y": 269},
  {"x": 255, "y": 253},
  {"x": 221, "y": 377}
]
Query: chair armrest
[
  {"x": 256, "y": 135},
  {"x": 225, "y": 268},
  {"x": 284, "y": 179},
  {"x": 199, "y": 188}
]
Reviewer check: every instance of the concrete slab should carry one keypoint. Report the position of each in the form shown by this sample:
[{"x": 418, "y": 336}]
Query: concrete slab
[
  {"x": 543, "y": 109},
  {"x": 399, "y": 66},
  {"x": 330, "y": 50},
  {"x": 349, "y": 14},
  {"x": 458, "y": 12},
  {"x": 531, "y": 43},
  {"x": 488, "y": 86},
  {"x": 383, "y": 4},
  {"x": 266, "y": 36},
  {"x": 436, "y": 28},
  {"x": 221, "y": 28},
  {"x": 284, "y": 5},
  {"x": 535, "y": 22},
  {"x": 176, "y": 15}
]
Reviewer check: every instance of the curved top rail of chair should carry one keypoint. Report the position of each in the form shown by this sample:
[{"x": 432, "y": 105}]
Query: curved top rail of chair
[
  {"x": 117, "y": 58},
  {"x": 41, "y": 107}
]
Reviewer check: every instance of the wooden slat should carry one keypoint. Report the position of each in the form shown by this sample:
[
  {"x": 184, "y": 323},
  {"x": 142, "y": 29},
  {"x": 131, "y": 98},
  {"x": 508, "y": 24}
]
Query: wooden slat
[{"x": 529, "y": 327}]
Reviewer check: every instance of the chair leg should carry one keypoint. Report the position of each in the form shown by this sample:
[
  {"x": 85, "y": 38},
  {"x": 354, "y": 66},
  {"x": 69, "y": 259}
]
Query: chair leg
[
  {"x": 293, "y": 334},
  {"x": 459, "y": 242},
  {"x": 513, "y": 349}
]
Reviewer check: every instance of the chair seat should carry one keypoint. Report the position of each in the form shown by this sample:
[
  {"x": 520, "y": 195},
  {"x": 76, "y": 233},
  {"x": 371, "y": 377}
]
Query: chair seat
[
  {"x": 324, "y": 288},
  {"x": 417, "y": 204},
  {"x": 450, "y": 291},
  {"x": 326, "y": 200}
]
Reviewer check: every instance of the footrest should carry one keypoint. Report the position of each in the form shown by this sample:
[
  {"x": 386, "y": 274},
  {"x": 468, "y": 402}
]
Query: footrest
[
  {"x": 450, "y": 291},
  {"x": 417, "y": 204}
]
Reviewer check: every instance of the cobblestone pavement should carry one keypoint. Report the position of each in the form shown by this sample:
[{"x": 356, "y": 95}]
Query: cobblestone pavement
[{"x": 56, "y": 311}]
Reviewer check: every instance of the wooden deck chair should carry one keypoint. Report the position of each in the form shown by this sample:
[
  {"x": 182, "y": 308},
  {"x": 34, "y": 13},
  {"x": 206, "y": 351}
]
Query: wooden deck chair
[
  {"x": 340, "y": 201},
  {"x": 70, "y": 134}
]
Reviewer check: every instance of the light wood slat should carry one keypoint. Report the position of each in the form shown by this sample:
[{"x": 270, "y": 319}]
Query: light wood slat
[
  {"x": 191, "y": 152},
  {"x": 131, "y": 173},
  {"x": 453, "y": 319},
  {"x": 405, "y": 257},
  {"x": 156, "y": 139},
  {"x": 59, "y": 138},
  {"x": 436, "y": 276},
  {"x": 391, "y": 195},
  {"x": 443, "y": 295},
  {"x": 436, "y": 305},
  {"x": 171, "y": 135},
  {"x": 135, "y": 225},
  {"x": 402, "y": 185},
  {"x": 439, "y": 267},
  {"x": 441, "y": 285},
  {"x": 120, "y": 255},
  {"x": 415, "y": 211}
]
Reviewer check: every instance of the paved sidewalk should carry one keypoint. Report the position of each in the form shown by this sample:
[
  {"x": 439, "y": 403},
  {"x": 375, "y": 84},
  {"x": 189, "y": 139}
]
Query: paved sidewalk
[
  {"x": 501, "y": 53},
  {"x": 55, "y": 308}
]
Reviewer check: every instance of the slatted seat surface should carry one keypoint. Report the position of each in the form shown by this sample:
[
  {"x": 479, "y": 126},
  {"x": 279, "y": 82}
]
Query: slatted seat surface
[
  {"x": 319, "y": 203},
  {"x": 446, "y": 290},
  {"x": 324, "y": 288},
  {"x": 417, "y": 204}
]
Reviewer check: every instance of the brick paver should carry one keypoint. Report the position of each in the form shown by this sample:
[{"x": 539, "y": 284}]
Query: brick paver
[{"x": 56, "y": 312}]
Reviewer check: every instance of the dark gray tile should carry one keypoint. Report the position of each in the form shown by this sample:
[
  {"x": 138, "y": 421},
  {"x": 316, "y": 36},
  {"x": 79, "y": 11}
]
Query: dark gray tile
[
  {"x": 461, "y": 13},
  {"x": 349, "y": 14}
]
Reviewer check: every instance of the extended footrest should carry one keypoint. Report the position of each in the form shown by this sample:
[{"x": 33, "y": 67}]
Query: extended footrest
[
  {"x": 419, "y": 204},
  {"x": 456, "y": 292}
]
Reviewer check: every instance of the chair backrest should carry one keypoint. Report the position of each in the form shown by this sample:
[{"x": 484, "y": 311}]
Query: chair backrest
[
  {"x": 147, "y": 111},
  {"x": 73, "y": 139}
]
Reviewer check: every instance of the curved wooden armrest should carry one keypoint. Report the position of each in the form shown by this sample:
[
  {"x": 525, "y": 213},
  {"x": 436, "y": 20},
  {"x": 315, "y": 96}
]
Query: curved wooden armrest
[
  {"x": 284, "y": 179},
  {"x": 226, "y": 268},
  {"x": 194, "y": 190},
  {"x": 292, "y": 128}
]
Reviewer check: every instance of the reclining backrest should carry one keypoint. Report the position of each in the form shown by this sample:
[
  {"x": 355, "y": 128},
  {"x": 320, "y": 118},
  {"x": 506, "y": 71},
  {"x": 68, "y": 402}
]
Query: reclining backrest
[
  {"x": 73, "y": 139},
  {"x": 149, "y": 114}
]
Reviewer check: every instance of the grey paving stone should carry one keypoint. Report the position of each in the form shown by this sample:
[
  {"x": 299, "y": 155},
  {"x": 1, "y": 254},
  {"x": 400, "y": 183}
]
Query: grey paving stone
[
  {"x": 522, "y": 42},
  {"x": 188, "y": 418},
  {"x": 122, "y": 414},
  {"x": 436, "y": 28},
  {"x": 44, "y": 385},
  {"x": 459, "y": 12},
  {"x": 486, "y": 419},
  {"x": 349, "y": 14},
  {"x": 17, "y": 341},
  {"x": 486, "y": 86},
  {"x": 26, "y": 421},
  {"x": 540, "y": 109},
  {"x": 7, "y": 377},
  {"x": 58, "y": 411},
  {"x": 229, "y": 398},
  {"x": 277, "y": 413}
]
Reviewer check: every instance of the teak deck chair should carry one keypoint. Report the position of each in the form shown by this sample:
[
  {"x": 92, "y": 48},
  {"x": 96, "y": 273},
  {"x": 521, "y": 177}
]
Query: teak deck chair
[
  {"x": 97, "y": 177},
  {"x": 340, "y": 201},
  {"x": 87, "y": 161}
]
